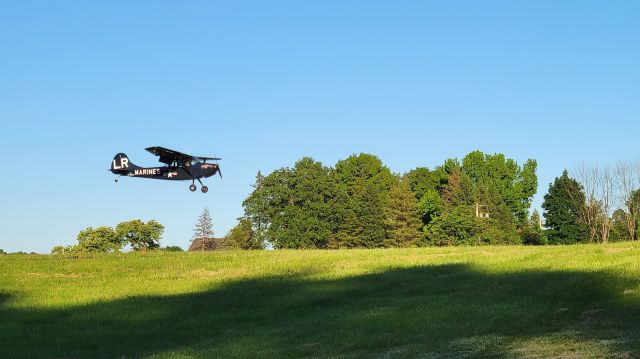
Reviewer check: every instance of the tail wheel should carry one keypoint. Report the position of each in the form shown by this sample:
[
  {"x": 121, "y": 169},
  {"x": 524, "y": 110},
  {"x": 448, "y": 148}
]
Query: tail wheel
[
  {"x": 204, "y": 189},
  {"x": 192, "y": 188}
]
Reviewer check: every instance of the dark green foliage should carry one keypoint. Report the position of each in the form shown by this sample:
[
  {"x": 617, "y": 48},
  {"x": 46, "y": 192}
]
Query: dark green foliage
[
  {"x": 2, "y": 252},
  {"x": 421, "y": 180},
  {"x": 514, "y": 184},
  {"x": 172, "y": 249},
  {"x": 633, "y": 215},
  {"x": 296, "y": 208},
  {"x": 533, "y": 234},
  {"x": 140, "y": 235},
  {"x": 459, "y": 188},
  {"x": 136, "y": 233},
  {"x": 619, "y": 229},
  {"x": 101, "y": 239},
  {"x": 365, "y": 183},
  {"x": 242, "y": 236},
  {"x": 453, "y": 227},
  {"x": 402, "y": 222},
  {"x": 361, "y": 204},
  {"x": 256, "y": 209},
  {"x": 430, "y": 206},
  {"x": 562, "y": 206}
]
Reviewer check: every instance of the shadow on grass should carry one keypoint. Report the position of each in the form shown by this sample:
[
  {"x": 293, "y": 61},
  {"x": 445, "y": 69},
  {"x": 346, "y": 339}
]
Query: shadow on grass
[{"x": 436, "y": 311}]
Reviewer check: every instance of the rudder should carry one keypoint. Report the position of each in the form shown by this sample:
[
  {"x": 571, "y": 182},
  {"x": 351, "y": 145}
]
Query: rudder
[{"x": 121, "y": 164}]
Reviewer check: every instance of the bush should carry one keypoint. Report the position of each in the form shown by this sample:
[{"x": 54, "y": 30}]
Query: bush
[{"x": 173, "y": 249}]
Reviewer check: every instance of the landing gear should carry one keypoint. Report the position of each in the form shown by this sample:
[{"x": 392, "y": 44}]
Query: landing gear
[{"x": 193, "y": 187}]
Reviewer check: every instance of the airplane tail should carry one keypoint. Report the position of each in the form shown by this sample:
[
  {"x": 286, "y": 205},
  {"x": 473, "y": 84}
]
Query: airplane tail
[{"x": 121, "y": 164}]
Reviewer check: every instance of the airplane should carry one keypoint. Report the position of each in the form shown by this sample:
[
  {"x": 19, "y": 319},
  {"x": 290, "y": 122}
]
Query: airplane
[{"x": 179, "y": 167}]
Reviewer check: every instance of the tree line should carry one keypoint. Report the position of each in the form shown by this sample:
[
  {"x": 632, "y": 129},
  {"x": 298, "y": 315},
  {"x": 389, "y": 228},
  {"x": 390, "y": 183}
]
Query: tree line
[
  {"x": 139, "y": 235},
  {"x": 481, "y": 199},
  {"x": 360, "y": 203},
  {"x": 598, "y": 204}
]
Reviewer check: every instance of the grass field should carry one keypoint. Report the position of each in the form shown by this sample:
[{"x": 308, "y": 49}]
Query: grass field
[{"x": 523, "y": 302}]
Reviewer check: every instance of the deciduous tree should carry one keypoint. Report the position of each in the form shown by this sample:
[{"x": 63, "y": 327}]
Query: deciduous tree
[
  {"x": 241, "y": 236},
  {"x": 140, "y": 235}
]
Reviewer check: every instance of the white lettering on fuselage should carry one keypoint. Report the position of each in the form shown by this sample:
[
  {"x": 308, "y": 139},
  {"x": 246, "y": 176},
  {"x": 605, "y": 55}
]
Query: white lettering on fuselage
[
  {"x": 124, "y": 163},
  {"x": 146, "y": 172}
]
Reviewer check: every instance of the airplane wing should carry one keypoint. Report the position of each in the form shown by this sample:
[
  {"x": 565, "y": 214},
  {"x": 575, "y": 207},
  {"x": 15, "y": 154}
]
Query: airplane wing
[{"x": 168, "y": 156}]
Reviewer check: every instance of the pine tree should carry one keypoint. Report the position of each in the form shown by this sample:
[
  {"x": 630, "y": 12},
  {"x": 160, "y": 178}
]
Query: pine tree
[
  {"x": 203, "y": 230},
  {"x": 562, "y": 211},
  {"x": 401, "y": 221}
]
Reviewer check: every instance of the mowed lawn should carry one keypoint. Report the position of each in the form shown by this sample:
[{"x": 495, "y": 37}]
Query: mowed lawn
[{"x": 512, "y": 302}]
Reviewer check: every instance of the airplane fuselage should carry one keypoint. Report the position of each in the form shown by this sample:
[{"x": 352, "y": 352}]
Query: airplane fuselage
[
  {"x": 180, "y": 167},
  {"x": 187, "y": 172}
]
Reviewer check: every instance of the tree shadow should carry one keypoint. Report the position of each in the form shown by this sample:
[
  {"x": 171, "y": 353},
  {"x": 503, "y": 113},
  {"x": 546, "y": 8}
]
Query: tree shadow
[
  {"x": 4, "y": 298},
  {"x": 430, "y": 311}
]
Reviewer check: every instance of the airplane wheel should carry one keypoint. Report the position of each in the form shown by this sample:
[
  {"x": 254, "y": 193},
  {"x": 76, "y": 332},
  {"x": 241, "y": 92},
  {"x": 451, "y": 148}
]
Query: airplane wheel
[
  {"x": 192, "y": 188},
  {"x": 204, "y": 189}
]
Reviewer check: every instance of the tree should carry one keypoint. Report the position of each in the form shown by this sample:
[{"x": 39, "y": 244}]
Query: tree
[
  {"x": 296, "y": 207},
  {"x": 203, "y": 231},
  {"x": 173, "y": 249},
  {"x": 140, "y": 235},
  {"x": 458, "y": 191},
  {"x": 627, "y": 183},
  {"x": 515, "y": 184},
  {"x": 101, "y": 239},
  {"x": 633, "y": 214},
  {"x": 430, "y": 206},
  {"x": 619, "y": 230},
  {"x": 533, "y": 234},
  {"x": 242, "y": 236},
  {"x": 402, "y": 222},
  {"x": 598, "y": 186},
  {"x": 364, "y": 183},
  {"x": 2, "y": 252},
  {"x": 562, "y": 206},
  {"x": 453, "y": 227},
  {"x": 256, "y": 209}
]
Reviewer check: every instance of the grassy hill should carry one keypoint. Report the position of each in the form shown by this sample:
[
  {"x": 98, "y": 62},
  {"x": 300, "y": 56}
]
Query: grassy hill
[{"x": 526, "y": 302}]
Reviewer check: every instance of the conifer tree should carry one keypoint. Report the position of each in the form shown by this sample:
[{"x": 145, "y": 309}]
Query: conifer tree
[
  {"x": 203, "y": 231},
  {"x": 562, "y": 211},
  {"x": 402, "y": 222}
]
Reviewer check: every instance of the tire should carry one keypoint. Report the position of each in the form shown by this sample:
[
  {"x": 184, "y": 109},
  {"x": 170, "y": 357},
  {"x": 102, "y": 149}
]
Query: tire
[
  {"x": 204, "y": 189},
  {"x": 192, "y": 188}
]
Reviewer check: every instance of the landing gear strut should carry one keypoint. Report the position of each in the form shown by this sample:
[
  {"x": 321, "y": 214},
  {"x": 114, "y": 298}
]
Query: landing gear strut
[
  {"x": 204, "y": 188},
  {"x": 193, "y": 187}
]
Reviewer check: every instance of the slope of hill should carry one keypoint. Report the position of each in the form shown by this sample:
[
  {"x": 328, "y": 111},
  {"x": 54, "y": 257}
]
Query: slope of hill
[{"x": 573, "y": 301}]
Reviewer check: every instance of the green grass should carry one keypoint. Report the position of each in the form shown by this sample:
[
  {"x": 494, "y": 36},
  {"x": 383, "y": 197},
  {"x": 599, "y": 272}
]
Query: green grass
[{"x": 502, "y": 302}]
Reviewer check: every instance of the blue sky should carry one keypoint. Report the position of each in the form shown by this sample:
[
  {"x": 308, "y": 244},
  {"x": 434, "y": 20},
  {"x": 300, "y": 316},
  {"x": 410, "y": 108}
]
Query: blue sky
[{"x": 263, "y": 84}]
